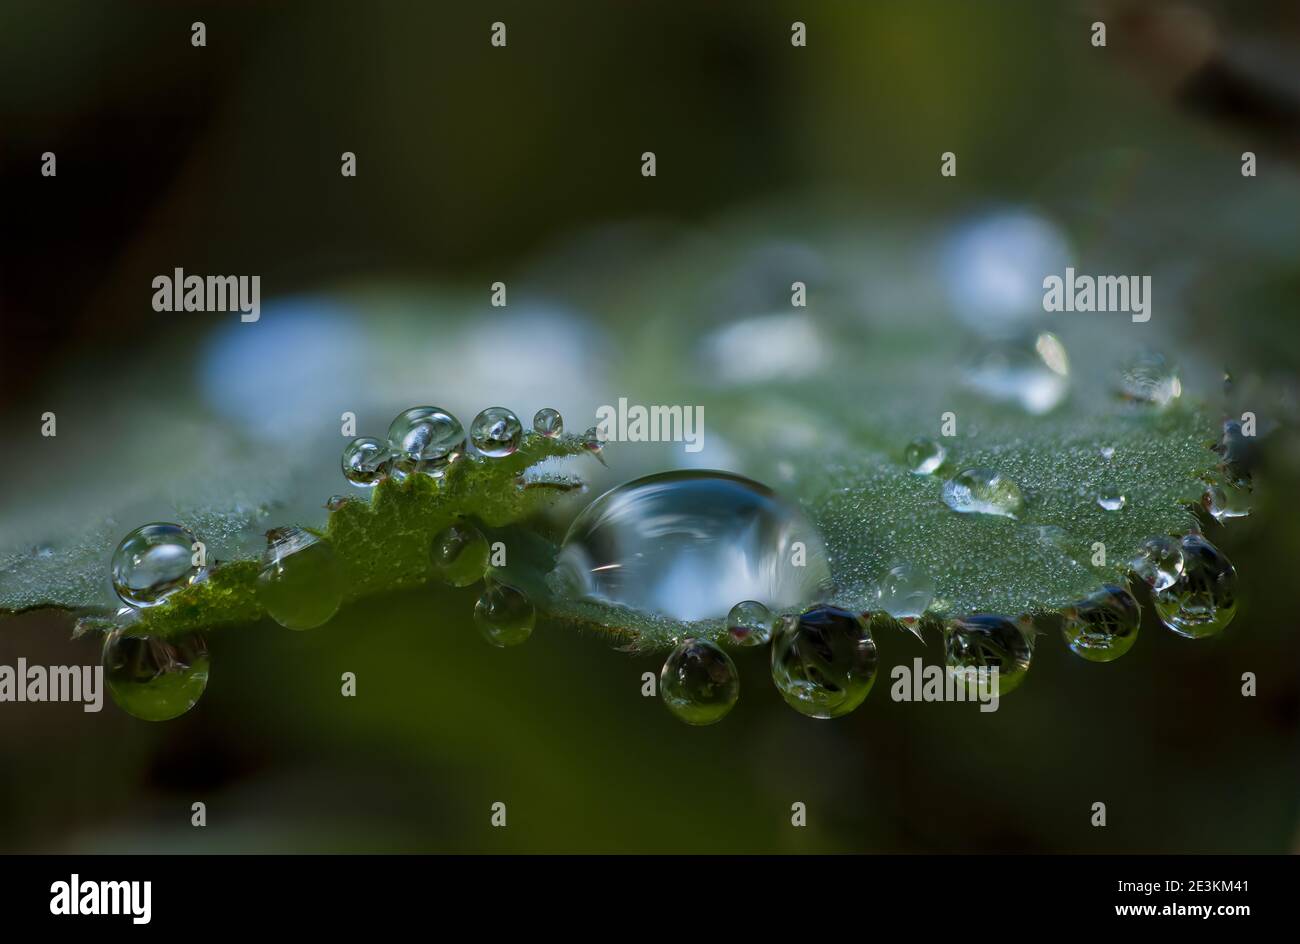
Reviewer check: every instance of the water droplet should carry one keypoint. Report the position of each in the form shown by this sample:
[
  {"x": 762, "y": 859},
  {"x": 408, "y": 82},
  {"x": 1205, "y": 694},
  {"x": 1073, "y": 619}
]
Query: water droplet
[
  {"x": 1149, "y": 378},
  {"x": 750, "y": 623},
  {"x": 924, "y": 455},
  {"x": 1104, "y": 626},
  {"x": 699, "y": 683},
  {"x": 335, "y": 502},
  {"x": 548, "y": 423},
  {"x": 1033, "y": 374},
  {"x": 593, "y": 444},
  {"x": 301, "y": 581},
  {"x": 1108, "y": 452},
  {"x": 1159, "y": 562},
  {"x": 823, "y": 661},
  {"x": 496, "y": 432},
  {"x": 152, "y": 678},
  {"x": 1203, "y": 600},
  {"x": 1111, "y": 499},
  {"x": 987, "y": 641},
  {"x": 365, "y": 461},
  {"x": 505, "y": 616},
  {"x": 424, "y": 438},
  {"x": 983, "y": 491},
  {"x": 905, "y": 590},
  {"x": 153, "y": 562},
  {"x": 460, "y": 555},
  {"x": 1238, "y": 452},
  {"x": 1226, "y": 501},
  {"x": 689, "y": 543}
]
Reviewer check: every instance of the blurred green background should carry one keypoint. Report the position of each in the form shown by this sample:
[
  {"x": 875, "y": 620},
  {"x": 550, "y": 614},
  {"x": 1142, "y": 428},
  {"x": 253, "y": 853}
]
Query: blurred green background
[{"x": 522, "y": 163}]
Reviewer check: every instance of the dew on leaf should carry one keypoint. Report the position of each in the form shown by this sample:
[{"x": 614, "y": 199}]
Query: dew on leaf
[
  {"x": 824, "y": 661},
  {"x": 1159, "y": 562},
  {"x": 153, "y": 678},
  {"x": 749, "y": 623},
  {"x": 496, "y": 432},
  {"x": 988, "y": 642},
  {"x": 301, "y": 581},
  {"x": 365, "y": 461},
  {"x": 460, "y": 555},
  {"x": 924, "y": 455},
  {"x": 983, "y": 491},
  {"x": 1226, "y": 501},
  {"x": 905, "y": 590},
  {"x": 1203, "y": 600},
  {"x": 1104, "y": 626},
  {"x": 424, "y": 436},
  {"x": 504, "y": 615},
  {"x": 1111, "y": 499},
  {"x": 699, "y": 683},
  {"x": 548, "y": 423},
  {"x": 153, "y": 562}
]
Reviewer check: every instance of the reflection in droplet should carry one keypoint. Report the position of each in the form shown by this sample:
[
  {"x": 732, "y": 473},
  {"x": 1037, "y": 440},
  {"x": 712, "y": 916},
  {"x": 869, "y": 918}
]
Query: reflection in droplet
[
  {"x": 983, "y": 491},
  {"x": 152, "y": 678},
  {"x": 699, "y": 683},
  {"x": 986, "y": 642},
  {"x": 824, "y": 661},
  {"x": 301, "y": 581},
  {"x": 1104, "y": 626},
  {"x": 1203, "y": 600},
  {"x": 153, "y": 562}
]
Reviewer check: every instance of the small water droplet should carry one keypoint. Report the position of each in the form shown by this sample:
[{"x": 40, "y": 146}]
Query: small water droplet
[
  {"x": 689, "y": 543},
  {"x": 1226, "y": 501},
  {"x": 1159, "y": 562},
  {"x": 1104, "y": 626},
  {"x": 496, "y": 432},
  {"x": 699, "y": 683},
  {"x": 924, "y": 455},
  {"x": 335, "y": 502},
  {"x": 460, "y": 555},
  {"x": 424, "y": 438},
  {"x": 153, "y": 562},
  {"x": 824, "y": 661},
  {"x": 152, "y": 678},
  {"x": 1203, "y": 600},
  {"x": 301, "y": 582},
  {"x": 1111, "y": 498},
  {"x": 1108, "y": 452},
  {"x": 1149, "y": 378},
  {"x": 750, "y": 623},
  {"x": 365, "y": 461},
  {"x": 983, "y": 491},
  {"x": 1032, "y": 373},
  {"x": 548, "y": 423},
  {"x": 905, "y": 590},
  {"x": 504, "y": 615},
  {"x": 987, "y": 641}
]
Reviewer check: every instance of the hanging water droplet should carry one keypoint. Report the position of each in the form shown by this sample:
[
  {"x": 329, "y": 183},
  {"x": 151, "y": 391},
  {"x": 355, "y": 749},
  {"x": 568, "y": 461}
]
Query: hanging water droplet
[
  {"x": 1104, "y": 626},
  {"x": 495, "y": 432},
  {"x": 1149, "y": 378},
  {"x": 750, "y": 623},
  {"x": 1111, "y": 498},
  {"x": 823, "y": 661},
  {"x": 1159, "y": 562},
  {"x": 905, "y": 590},
  {"x": 424, "y": 439},
  {"x": 1226, "y": 501},
  {"x": 153, "y": 562},
  {"x": 987, "y": 641},
  {"x": 1238, "y": 452},
  {"x": 548, "y": 423},
  {"x": 699, "y": 683},
  {"x": 365, "y": 461},
  {"x": 983, "y": 491},
  {"x": 592, "y": 442},
  {"x": 1203, "y": 600},
  {"x": 924, "y": 455},
  {"x": 152, "y": 678},
  {"x": 301, "y": 582},
  {"x": 687, "y": 544},
  {"x": 504, "y": 616},
  {"x": 460, "y": 555},
  {"x": 1033, "y": 373}
]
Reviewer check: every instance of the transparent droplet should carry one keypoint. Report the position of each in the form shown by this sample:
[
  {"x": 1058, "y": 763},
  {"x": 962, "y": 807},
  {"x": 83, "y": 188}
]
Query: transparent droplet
[
  {"x": 983, "y": 491},
  {"x": 1032, "y": 373},
  {"x": 1111, "y": 498},
  {"x": 1159, "y": 562},
  {"x": 301, "y": 581},
  {"x": 593, "y": 443},
  {"x": 924, "y": 455},
  {"x": 823, "y": 661},
  {"x": 1104, "y": 626},
  {"x": 1203, "y": 600},
  {"x": 335, "y": 502},
  {"x": 699, "y": 683},
  {"x": 403, "y": 467},
  {"x": 422, "y": 436},
  {"x": 548, "y": 423},
  {"x": 152, "y": 678},
  {"x": 504, "y": 615},
  {"x": 1149, "y": 378},
  {"x": 496, "y": 432},
  {"x": 905, "y": 590},
  {"x": 1108, "y": 452},
  {"x": 153, "y": 562},
  {"x": 365, "y": 461},
  {"x": 460, "y": 555},
  {"x": 987, "y": 642},
  {"x": 689, "y": 543},
  {"x": 1226, "y": 501},
  {"x": 750, "y": 623},
  {"x": 1238, "y": 452}
]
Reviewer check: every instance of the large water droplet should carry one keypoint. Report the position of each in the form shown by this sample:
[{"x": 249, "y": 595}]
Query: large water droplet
[
  {"x": 1104, "y": 626},
  {"x": 1159, "y": 562},
  {"x": 496, "y": 432},
  {"x": 365, "y": 461},
  {"x": 687, "y": 544},
  {"x": 750, "y": 623},
  {"x": 1033, "y": 374},
  {"x": 153, "y": 562},
  {"x": 504, "y": 615},
  {"x": 152, "y": 678},
  {"x": 1149, "y": 378},
  {"x": 1203, "y": 600},
  {"x": 986, "y": 642},
  {"x": 824, "y": 661},
  {"x": 301, "y": 582},
  {"x": 548, "y": 423},
  {"x": 460, "y": 555},
  {"x": 699, "y": 683},
  {"x": 924, "y": 455},
  {"x": 983, "y": 491},
  {"x": 424, "y": 436},
  {"x": 905, "y": 590}
]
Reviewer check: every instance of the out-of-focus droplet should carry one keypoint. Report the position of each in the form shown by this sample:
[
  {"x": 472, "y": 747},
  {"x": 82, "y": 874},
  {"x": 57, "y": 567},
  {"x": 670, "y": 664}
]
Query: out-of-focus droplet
[
  {"x": 1224, "y": 501},
  {"x": 460, "y": 555},
  {"x": 301, "y": 581},
  {"x": 1104, "y": 626},
  {"x": 365, "y": 461},
  {"x": 504, "y": 615},
  {"x": 1149, "y": 378},
  {"x": 699, "y": 683},
  {"x": 153, "y": 562},
  {"x": 750, "y": 623},
  {"x": 924, "y": 455},
  {"x": 153, "y": 678},
  {"x": 1033, "y": 374},
  {"x": 983, "y": 491},
  {"x": 824, "y": 661},
  {"x": 496, "y": 432},
  {"x": 1203, "y": 600}
]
